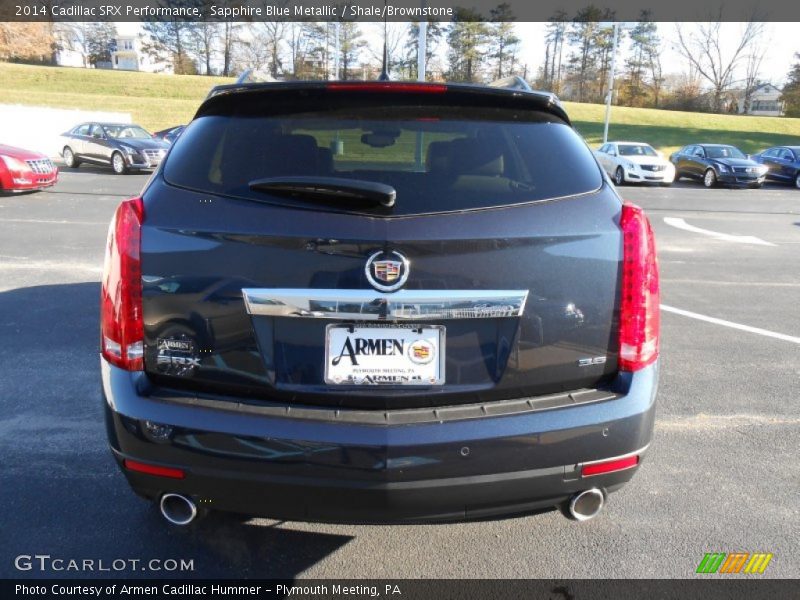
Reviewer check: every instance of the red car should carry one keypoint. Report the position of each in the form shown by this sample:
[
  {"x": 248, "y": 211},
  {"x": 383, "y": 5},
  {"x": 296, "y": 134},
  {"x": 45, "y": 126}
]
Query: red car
[{"x": 24, "y": 170}]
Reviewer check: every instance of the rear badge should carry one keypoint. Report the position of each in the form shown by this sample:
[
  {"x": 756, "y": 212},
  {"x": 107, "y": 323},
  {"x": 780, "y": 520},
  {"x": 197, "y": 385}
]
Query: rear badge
[
  {"x": 177, "y": 356},
  {"x": 387, "y": 271},
  {"x": 586, "y": 362}
]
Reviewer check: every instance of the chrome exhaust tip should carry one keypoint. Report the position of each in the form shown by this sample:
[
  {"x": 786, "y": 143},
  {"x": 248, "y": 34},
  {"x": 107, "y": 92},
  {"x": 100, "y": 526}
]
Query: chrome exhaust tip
[
  {"x": 177, "y": 509},
  {"x": 587, "y": 504}
]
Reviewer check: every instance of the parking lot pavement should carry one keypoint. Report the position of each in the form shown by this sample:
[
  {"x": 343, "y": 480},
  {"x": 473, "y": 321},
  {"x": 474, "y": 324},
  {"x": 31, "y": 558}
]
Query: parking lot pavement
[{"x": 722, "y": 474}]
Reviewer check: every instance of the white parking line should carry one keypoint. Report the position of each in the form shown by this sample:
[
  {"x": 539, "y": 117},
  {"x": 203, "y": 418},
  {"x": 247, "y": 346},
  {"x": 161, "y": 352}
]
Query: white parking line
[
  {"x": 731, "y": 324},
  {"x": 740, "y": 239}
]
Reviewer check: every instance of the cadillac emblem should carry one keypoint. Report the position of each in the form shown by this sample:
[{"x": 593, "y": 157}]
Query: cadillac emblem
[{"x": 387, "y": 271}]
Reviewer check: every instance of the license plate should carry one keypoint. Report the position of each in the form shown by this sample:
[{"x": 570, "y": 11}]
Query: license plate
[{"x": 384, "y": 355}]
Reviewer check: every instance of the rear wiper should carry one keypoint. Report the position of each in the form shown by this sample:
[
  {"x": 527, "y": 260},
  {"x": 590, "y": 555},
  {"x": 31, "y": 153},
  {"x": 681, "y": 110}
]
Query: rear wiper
[{"x": 327, "y": 188}]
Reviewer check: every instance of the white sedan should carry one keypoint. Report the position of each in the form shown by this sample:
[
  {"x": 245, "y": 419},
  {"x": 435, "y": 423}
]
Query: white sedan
[{"x": 635, "y": 162}]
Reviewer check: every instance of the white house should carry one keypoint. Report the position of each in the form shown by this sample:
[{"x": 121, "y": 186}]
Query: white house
[
  {"x": 129, "y": 56},
  {"x": 765, "y": 101}
]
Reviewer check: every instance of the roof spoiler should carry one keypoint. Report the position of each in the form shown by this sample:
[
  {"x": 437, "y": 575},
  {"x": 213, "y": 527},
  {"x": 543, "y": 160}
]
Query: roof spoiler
[{"x": 515, "y": 82}]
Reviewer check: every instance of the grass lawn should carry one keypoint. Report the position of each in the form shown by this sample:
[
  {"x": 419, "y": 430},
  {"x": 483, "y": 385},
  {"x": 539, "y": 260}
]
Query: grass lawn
[
  {"x": 155, "y": 101},
  {"x": 158, "y": 101},
  {"x": 669, "y": 130}
]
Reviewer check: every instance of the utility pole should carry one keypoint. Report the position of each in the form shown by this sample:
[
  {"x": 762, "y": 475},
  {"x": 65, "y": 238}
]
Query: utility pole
[
  {"x": 611, "y": 81},
  {"x": 422, "y": 44},
  {"x": 336, "y": 33}
]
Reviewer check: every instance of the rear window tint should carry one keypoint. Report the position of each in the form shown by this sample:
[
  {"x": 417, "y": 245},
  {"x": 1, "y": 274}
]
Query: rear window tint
[{"x": 438, "y": 159}]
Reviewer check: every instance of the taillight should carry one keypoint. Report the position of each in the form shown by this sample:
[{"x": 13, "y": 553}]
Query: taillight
[
  {"x": 387, "y": 86},
  {"x": 639, "y": 309},
  {"x": 121, "y": 324}
]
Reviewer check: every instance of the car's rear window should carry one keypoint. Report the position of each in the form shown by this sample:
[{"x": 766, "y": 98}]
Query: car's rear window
[{"x": 437, "y": 158}]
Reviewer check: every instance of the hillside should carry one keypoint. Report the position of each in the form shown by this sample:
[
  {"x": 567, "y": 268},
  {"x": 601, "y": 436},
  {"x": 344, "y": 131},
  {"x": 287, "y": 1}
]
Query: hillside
[{"x": 157, "y": 101}]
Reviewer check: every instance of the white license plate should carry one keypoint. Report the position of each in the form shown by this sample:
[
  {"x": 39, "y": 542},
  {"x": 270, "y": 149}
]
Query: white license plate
[{"x": 384, "y": 355}]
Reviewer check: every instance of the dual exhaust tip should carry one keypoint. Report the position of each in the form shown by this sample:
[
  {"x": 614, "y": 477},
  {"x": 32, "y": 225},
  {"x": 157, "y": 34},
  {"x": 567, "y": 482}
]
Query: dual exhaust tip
[{"x": 181, "y": 510}]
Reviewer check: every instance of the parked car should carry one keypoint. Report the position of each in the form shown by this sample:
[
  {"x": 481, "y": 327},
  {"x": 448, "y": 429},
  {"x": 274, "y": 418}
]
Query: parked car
[
  {"x": 169, "y": 135},
  {"x": 783, "y": 163},
  {"x": 379, "y": 301},
  {"x": 25, "y": 170},
  {"x": 717, "y": 163},
  {"x": 123, "y": 146},
  {"x": 635, "y": 162}
]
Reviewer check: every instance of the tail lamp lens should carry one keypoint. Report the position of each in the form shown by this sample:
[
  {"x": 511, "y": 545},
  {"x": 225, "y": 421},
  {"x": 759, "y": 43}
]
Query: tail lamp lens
[
  {"x": 639, "y": 309},
  {"x": 610, "y": 466},
  {"x": 121, "y": 324}
]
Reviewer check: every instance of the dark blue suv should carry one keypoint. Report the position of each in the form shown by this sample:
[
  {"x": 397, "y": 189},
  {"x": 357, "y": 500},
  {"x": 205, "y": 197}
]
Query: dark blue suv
[{"x": 379, "y": 301}]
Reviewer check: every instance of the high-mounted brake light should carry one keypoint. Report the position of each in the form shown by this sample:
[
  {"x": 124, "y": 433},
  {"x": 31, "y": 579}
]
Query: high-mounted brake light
[
  {"x": 121, "y": 324},
  {"x": 639, "y": 310},
  {"x": 387, "y": 86}
]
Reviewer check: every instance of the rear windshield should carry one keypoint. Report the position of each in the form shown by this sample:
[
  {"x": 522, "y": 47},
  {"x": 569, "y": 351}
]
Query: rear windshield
[{"x": 438, "y": 159}]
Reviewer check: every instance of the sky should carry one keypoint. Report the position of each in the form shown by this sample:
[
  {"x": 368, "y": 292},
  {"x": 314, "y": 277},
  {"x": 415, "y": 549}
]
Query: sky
[{"x": 783, "y": 40}]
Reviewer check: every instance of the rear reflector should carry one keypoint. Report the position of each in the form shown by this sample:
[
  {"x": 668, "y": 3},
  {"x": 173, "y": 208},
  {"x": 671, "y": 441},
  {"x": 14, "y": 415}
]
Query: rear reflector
[
  {"x": 133, "y": 465},
  {"x": 619, "y": 464},
  {"x": 387, "y": 86},
  {"x": 639, "y": 308},
  {"x": 121, "y": 324}
]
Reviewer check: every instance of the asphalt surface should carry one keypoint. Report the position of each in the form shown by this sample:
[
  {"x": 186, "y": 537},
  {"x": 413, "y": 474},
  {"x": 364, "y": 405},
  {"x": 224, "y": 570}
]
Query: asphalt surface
[{"x": 722, "y": 474}]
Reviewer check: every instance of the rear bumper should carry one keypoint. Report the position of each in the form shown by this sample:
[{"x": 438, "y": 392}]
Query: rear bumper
[{"x": 306, "y": 469}]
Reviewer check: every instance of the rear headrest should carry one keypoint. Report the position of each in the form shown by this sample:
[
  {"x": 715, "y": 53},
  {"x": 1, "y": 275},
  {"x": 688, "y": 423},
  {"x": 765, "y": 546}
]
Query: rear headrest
[
  {"x": 437, "y": 159},
  {"x": 325, "y": 160},
  {"x": 291, "y": 155},
  {"x": 476, "y": 157}
]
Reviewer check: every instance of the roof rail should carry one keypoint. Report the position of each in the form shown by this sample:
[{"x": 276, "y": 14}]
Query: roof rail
[
  {"x": 515, "y": 82},
  {"x": 245, "y": 76}
]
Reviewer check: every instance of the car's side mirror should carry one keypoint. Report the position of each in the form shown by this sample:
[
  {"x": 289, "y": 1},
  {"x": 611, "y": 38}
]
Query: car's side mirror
[
  {"x": 612, "y": 153},
  {"x": 660, "y": 154}
]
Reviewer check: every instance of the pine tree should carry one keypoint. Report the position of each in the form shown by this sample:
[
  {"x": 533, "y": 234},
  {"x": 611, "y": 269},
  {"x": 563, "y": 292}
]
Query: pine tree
[
  {"x": 467, "y": 38},
  {"x": 504, "y": 43},
  {"x": 644, "y": 47},
  {"x": 791, "y": 91}
]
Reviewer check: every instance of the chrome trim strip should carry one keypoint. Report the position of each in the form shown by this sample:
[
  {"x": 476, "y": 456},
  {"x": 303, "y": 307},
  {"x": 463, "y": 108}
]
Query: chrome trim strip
[{"x": 370, "y": 305}]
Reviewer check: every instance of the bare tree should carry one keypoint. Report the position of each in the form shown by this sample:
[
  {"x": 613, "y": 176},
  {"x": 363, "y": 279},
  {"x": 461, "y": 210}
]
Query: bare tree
[
  {"x": 752, "y": 77},
  {"x": 702, "y": 47},
  {"x": 393, "y": 36}
]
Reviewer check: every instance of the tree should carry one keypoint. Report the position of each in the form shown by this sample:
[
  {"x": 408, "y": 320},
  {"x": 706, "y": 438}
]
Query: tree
[
  {"x": 392, "y": 36},
  {"x": 752, "y": 77},
  {"x": 274, "y": 33},
  {"x": 205, "y": 39},
  {"x": 644, "y": 49},
  {"x": 171, "y": 40},
  {"x": 433, "y": 36},
  {"x": 467, "y": 37},
  {"x": 25, "y": 41},
  {"x": 554, "y": 50},
  {"x": 791, "y": 91},
  {"x": 702, "y": 47},
  {"x": 591, "y": 56},
  {"x": 504, "y": 43},
  {"x": 102, "y": 43},
  {"x": 351, "y": 42}
]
